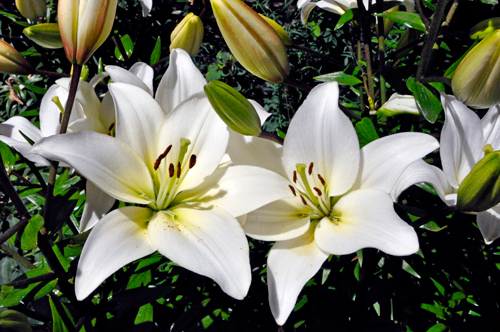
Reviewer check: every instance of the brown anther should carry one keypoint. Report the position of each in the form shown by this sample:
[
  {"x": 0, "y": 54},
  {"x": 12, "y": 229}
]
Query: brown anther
[
  {"x": 60, "y": 118},
  {"x": 171, "y": 170},
  {"x": 111, "y": 127},
  {"x": 318, "y": 191},
  {"x": 178, "y": 169},
  {"x": 292, "y": 189},
  {"x": 294, "y": 176},
  {"x": 303, "y": 200},
  {"x": 310, "y": 170},
  {"x": 322, "y": 180},
  {"x": 192, "y": 161},
  {"x": 161, "y": 157}
]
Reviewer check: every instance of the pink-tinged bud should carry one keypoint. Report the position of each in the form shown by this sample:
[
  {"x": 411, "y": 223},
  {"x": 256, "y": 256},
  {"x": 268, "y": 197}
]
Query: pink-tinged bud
[
  {"x": 253, "y": 42},
  {"x": 12, "y": 62},
  {"x": 84, "y": 26},
  {"x": 32, "y": 9},
  {"x": 188, "y": 34},
  {"x": 279, "y": 30}
]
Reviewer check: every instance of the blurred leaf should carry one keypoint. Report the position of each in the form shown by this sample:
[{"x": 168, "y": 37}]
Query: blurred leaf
[
  {"x": 139, "y": 279},
  {"x": 57, "y": 322},
  {"x": 366, "y": 131},
  {"x": 436, "y": 309},
  {"x": 410, "y": 20},
  {"x": 315, "y": 29},
  {"x": 30, "y": 235},
  {"x": 439, "y": 287},
  {"x": 9, "y": 159},
  {"x": 346, "y": 17},
  {"x": 155, "y": 55},
  {"x": 427, "y": 103},
  {"x": 154, "y": 258},
  {"x": 409, "y": 269},
  {"x": 301, "y": 303},
  {"x": 490, "y": 2},
  {"x": 433, "y": 227},
  {"x": 281, "y": 134},
  {"x": 128, "y": 45},
  {"x": 340, "y": 77},
  {"x": 34, "y": 88},
  {"x": 145, "y": 314},
  {"x": 427, "y": 187},
  {"x": 439, "y": 327}
]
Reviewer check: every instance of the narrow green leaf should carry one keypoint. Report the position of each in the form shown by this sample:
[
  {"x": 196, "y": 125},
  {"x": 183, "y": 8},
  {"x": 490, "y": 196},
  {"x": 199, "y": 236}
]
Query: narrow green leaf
[
  {"x": 345, "y": 18},
  {"x": 9, "y": 159},
  {"x": 128, "y": 45},
  {"x": 57, "y": 322},
  {"x": 29, "y": 238},
  {"x": 409, "y": 269},
  {"x": 366, "y": 132},
  {"x": 427, "y": 102},
  {"x": 155, "y": 55},
  {"x": 439, "y": 327},
  {"x": 439, "y": 287},
  {"x": 340, "y": 77},
  {"x": 490, "y": 2},
  {"x": 36, "y": 89},
  {"x": 301, "y": 303},
  {"x": 433, "y": 227},
  {"x": 410, "y": 20}
]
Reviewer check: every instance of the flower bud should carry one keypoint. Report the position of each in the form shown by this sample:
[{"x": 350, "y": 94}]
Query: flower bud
[
  {"x": 11, "y": 320},
  {"x": 480, "y": 190},
  {"x": 399, "y": 104},
  {"x": 485, "y": 28},
  {"x": 84, "y": 26},
  {"x": 12, "y": 62},
  {"x": 279, "y": 30},
  {"x": 476, "y": 81},
  {"x": 253, "y": 42},
  {"x": 32, "y": 9},
  {"x": 234, "y": 109},
  {"x": 46, "y": 35},
  {"x": 188, "y": 34}
]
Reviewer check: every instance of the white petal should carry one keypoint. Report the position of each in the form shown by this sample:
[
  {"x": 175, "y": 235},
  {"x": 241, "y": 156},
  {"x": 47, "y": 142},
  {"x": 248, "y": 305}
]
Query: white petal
[
  {"x": 24, "y": 149},
  {"x": 145, "y": 72},
  {"x": 106, "y": 161},
  {"x": 207, "y": 241},
  {"x": 320, "y": 133},
  {"x": 121, "y": 75},
  {"x": 489, "y": 225},
  {"x": 146, "y": 6},
  {"x": 255, "y": 151},
  {"x": 138, "y": 119},
  {"x": 325, "y": 5},
  {"x": 305, "y": 10},
  {"x": 366, "y": 220},
  {"x": 398, "y": 104},
  {"x": 420, "y": 171},
  {"x": 181, "y": 80},
  {"x": 462, "y": 140},
  {"x": 290, "y": 265},
  {"x": 239, "y": 189},
  {"x": 383, "y": 160},
  {"x": 50, "y": 115},
  {"x": 97, "y": 204},
  {"x": 491, "y": 127},
  {"x": 121, "y": 238},
  {"x": 263, "y": 114},
  {"x": 278, "y": 221},
  {"x": 98, "y": 78}
]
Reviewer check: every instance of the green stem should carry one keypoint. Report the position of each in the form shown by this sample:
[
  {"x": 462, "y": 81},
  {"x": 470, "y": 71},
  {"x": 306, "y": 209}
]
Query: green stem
[
  {"x": 361, "y": 88},
  {"x": 365, "y": 39},
  {"x": 297, "y": 84},
  {"x": 50, "y": 73},
  {"x": 381, "y": 52},
  {"x": 18, "y": 258},
  {"x": 270, "y": 136}
]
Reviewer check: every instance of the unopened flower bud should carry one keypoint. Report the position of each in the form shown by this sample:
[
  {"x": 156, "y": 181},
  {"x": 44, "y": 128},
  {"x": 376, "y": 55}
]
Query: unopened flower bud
[
  {"x": 46, "y": 35},
  {"x": 11, "y": 320},
  {"x": 234, "y": 109},
  {"x": 253, "y": 42},
  {"x": 188, "y": 34},
  {"x": 279, "y": 30},
  {"x": 485, "y": 28},
  {"x": 84, "y": 26},
  {"x": 32, "y": 9},
  {"x": 480, "y": 190},
  {"x": 399, "y": 104},
  {"x": 476, "y": 81},
  {"x": 12, "y": 62}
]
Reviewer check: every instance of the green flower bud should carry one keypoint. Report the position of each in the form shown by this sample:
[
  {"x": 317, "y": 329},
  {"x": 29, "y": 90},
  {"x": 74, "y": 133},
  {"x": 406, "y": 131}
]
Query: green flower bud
[
  {"x": 279, "y": 30},
  {"x": 32, "y": 9},
  {"x": 476, "y": 81},
  {"x": 253, "y": 42},
  {"x": 485, "y": 28},
  {"x": 234, "y": 109},
  {"x": 11, "y": 320},
  {"x": 480, "y": 190},
  {"x": 188, "y": 34},
  {"x": 46, "y": 35},
  {"x": 12, "y": 62}
]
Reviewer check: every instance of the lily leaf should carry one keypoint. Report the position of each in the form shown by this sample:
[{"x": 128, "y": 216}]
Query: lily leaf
[
  {"x": 340, "y": 77},
  {"x": 366, "y": 132},
  {"x": 155, "y": 56},
  {"x": 427, "y": 102},
  {"x": 345, "y": 18},
  {"x": 408, "y": 19}
]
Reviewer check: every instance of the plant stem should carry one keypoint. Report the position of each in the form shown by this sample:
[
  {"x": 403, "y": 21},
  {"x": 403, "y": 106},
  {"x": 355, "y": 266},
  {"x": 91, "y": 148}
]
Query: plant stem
[
  {"x": 361, "y": 88},
  {"x": 442, "y": 212},
  {"x": 121, "y": 49},
  {"x": 50, "y": 73},
  {"x": 381, "y": 51},
  {"x": 420, "y": 11},
  {"x": 44, "y": 277},
  {"x": 297, "y": 84},
  {"x": 441, "y": 79},
  {"x": 365, "y": 39},
  {"x": 271, "y": 137},
  {"x": 18, "y": 258},
  {"x": 349, "y": 113}
]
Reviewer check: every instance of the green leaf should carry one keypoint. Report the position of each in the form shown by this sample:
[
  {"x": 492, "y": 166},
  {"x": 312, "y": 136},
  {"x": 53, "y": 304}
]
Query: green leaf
[
  {"x": 128, "y": 45},
  {"x": 408, "y": 19},
  {"x": 490, "y": 2},
  {"x": 409, "y": 269},
  {"x": 345, "y": 18},
  {"x": 34, "y": 88},
  {"x": 427, "y": 102},
  {"x": 145, "y": 314},
  {"x": 154, "y": 258},
  {"x": 155, "y": 55},
  {"x": 315, "y": 29},
  {"x": 436, "y": 309},
  {"x": 301, "y": 303},
  {"x": 57, "y": 322},
  {"x": 29, "y": 238},
  {"x": 280, "y": 134},
  {"x": 433, "y": 227},
  {"x": 439, "y": 327},
  {"x": 9, "y": 159},
  {"x": 366, "y": 132},
  {"x": 439, "y": 287},
  {"x": 340, "y": 77},
  {"x": 139, "y": 279}
]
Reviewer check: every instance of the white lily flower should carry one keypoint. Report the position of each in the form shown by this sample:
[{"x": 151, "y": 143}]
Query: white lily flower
[
  {"x": 340, "y": 6},
  {"x": 463, "y": 138},
  {"x": 341, "y": 197},
  {"x": 170, "y": 165},
  {"x": 399, "y": 104}
]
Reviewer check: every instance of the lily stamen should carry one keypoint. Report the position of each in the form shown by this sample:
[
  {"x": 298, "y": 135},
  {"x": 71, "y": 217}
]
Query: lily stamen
[
  {"x": 192, "y": 161},
  {"x": 160, "y": 157},
  {"x": 311, "y": 165},
  {"x": 303, "y": 200},
  {"x": 292, "y": 189},
  {"x": 318, "y": 191},
  {"x": 171, "y": 170}
]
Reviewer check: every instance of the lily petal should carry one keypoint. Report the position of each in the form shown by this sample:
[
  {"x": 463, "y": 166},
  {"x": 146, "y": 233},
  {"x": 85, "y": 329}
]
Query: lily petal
[
  {"x": 146, "y": 6},
  {"x": 278, "y": 221},
  {"x": 383, "y": 160},
  {"x": 50, "y": 115},
  {"x": 207, "y": 241},
  {"x": 491, "y": 127},
  {"x": 321, "y": 133},
  {"x": 261, "y": 111},
  {"x": 97, "y": 204},
  {"x": 181, "y": 80},
  {"x": 290, "y": 265},
  {"x": 145, "y": 72},
  {"x": 121, "y": 238},
  {"x": 121, "y": 75},
  {"x": 489, "y": 224},
  {"x": 305, "y": 7},
  {"x": 462, "y": 140},
  {"x": 366, "y": 219},
  {"x": 106, "y": 161}
]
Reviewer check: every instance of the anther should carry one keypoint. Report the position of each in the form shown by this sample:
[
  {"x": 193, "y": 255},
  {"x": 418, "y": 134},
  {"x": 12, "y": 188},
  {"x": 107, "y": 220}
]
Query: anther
[
  {"x": 111, "y": 127},
  {"x": 178, "y": 169},
  {"x": 310, "y": 170},
  {"x": 318, "y": 191},
  {"x": 192, "y": 161},
  {"x": 322, "y": 180},
  {"x": 294, "y": 176},
  {"x": 162, "y": 156},
  {"x": 292, "y": 189},
  {"x": 303, "y": 200},
  {"x": 171, "y": 170}
]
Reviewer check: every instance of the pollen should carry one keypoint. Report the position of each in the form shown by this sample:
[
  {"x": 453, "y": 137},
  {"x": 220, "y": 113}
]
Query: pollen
[
  {"x": 318, "y": 191},
  {"x": 178, "y": 169},
  {"x": 303, "y": 200},
  {"x": 322, "y": 180},
  {"x": 294, "y": 176},
  {"x": 161, "y": 157},
  {"x": 171, "y": 170},
  {"x": 310, "y": 170},
  {"x": 292, "y": 189},
  {"x": 192, "y": 161}
]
